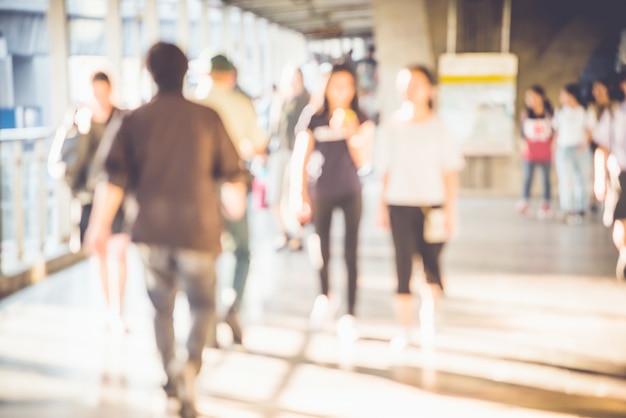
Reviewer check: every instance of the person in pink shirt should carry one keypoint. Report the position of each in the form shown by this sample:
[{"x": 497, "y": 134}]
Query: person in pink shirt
[{"x": 537, "y": 135}]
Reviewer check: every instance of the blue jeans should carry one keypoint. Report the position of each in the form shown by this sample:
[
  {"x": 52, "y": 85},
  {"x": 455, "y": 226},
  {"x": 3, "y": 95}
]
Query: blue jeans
[
  {"x": 528, "y": 168},
  {"x": 167, "y": 270},
  {"x": 573, "y": 168}
]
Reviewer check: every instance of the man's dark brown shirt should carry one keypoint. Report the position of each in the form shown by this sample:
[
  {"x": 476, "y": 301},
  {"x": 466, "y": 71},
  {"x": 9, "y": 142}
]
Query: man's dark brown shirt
[{"x": 171, "y": 155}]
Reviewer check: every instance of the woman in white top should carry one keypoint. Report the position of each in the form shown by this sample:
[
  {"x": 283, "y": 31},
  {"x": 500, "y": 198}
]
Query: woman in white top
[
  {"x": 573, "y": 125},
  {"x": 419, "y": 195}
]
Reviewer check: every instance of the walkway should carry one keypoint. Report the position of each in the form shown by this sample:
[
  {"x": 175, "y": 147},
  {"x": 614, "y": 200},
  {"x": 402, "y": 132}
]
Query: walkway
[{"x": 532, "y": 326}]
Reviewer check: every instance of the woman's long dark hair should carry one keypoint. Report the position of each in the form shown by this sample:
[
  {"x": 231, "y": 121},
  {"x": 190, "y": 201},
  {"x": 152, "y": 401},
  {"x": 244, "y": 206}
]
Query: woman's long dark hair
[
  {"x": 430, "y": 76},
  {"x": 354, "y": 104},
  {"x": 547, "y": 105},
  {"x": 573, "y": 90}
]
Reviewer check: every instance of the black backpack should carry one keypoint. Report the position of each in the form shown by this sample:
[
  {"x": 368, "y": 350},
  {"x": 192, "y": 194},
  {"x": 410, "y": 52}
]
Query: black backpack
[{"x": 75, "y": 154}]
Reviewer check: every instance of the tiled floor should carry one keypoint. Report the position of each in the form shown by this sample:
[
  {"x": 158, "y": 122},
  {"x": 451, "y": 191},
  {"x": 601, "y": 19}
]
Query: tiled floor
[{"x": 533, "y": 325}]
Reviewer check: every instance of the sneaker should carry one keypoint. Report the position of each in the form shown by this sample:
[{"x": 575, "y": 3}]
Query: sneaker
[
  {"x": 319, "y": 312},
  {"x": 522, "y": 207},
  {"x": 574, "y": 219},
  {"x": 544, "y": 212},
  {"x": 187, "y": 392},
  {"x": 233, "y": 322},
  {"x": 170, "y": 389},
  {"x": 399, "y": 342},
  {"x": 620, "y": 268},
  {"x": 402, "y": 340},
  {"x": 182, "y": 385},
  {"x": 281, "y": 242},
  {"x": 346, "y": 329}
]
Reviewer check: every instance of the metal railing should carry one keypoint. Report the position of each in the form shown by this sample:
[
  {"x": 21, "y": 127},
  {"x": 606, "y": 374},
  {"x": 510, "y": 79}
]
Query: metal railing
[{"x": 34, "y": 206}]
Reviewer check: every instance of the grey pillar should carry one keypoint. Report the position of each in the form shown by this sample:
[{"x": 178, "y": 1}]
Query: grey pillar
[
  {"x": 227, "y": 27},
  {"x": 113, "y": 30},
  {"x": 59, "y": 91},
  {"x": 256, "y": 56},
  {"x": 204, "y": 26},
  {"x": 242, "y": 46},
  {"x": 402, "y": 38},
  {"x": 271, "y": 49},
  {"x": 59, "y": 54},
  {"x": 151, "y": 21},
  {"x": 182, "y": 26},
  {"x": 267, "y": 65}
]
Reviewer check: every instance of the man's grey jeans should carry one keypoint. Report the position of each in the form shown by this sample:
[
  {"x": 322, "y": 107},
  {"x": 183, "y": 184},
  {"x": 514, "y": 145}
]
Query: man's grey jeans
[{"x": 167, "y": 271}]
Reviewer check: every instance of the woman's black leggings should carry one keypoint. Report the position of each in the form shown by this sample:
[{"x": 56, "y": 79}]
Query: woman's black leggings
[
  {"x": 322, "y": 215},
  {"x": 407, "y": 229}
]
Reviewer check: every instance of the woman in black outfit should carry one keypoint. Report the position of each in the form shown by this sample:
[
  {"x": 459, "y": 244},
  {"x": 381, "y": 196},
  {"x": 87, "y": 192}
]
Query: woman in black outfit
[{"x": 328, "y": 157}]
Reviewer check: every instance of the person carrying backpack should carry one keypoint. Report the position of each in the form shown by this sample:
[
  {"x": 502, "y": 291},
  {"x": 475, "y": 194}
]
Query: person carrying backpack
[{"x": 74, "y": 159}]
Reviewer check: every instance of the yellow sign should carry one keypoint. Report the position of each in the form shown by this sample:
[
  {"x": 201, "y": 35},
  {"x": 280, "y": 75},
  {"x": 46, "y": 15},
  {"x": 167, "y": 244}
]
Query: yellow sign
[{"x": 477, "y": 98}]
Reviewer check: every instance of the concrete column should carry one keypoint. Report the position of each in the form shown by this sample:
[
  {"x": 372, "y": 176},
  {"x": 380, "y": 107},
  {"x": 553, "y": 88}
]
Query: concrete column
[
  {"x": 182, "y": 26},
  {"x": 151, "y": 22},
  {"x": 227, "y": 39},
  {"x": 272, "y": 47},
  {"x": 402, "y": 38},
  {"x": 280, "y": 44},
  {"x": 242, "y": 53},
  {"x": 257, "y": 82},
  {"x": 59, "y": 91},
  {"x": 59, "y": 54},
  {"x": 204, "y": 25},
  {"x": 113, "y": 22},
  {"x": 267, "y": 57}
]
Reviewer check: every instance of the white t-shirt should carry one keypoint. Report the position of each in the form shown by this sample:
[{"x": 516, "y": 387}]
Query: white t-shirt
[
  {"x": 572, "y": 125},
  {"x": 610, "y": 133},
  {"x": 415, "y": 156}
]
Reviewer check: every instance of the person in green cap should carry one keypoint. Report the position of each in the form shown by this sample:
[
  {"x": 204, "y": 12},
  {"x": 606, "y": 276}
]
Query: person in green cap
[{"x": 240, "y": 119}]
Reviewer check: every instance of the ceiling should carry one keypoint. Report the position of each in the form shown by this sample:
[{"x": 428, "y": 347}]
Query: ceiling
[{"x": 315, "y": 18}]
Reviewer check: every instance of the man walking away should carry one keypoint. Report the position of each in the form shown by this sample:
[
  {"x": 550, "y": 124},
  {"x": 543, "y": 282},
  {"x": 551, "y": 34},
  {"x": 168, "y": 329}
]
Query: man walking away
[{"x": 170, "y": 155}]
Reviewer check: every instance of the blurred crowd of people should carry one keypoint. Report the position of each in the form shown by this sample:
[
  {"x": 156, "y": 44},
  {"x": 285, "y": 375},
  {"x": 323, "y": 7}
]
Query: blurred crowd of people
[
  {"x": 176, "y": 173},
  {"x": 584, "y": 137}
]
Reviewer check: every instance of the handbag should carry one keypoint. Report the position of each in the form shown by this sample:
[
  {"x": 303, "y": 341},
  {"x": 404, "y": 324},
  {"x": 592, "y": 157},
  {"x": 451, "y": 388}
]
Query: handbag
[{"x": 435, "y": 225}]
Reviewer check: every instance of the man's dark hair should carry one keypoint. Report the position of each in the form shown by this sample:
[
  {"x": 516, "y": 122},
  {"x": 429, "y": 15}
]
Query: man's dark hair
[
  {"x": 220, "y": 63},
  {"x": 100, "y": 76},
  {"x": 168, "y": 66}
]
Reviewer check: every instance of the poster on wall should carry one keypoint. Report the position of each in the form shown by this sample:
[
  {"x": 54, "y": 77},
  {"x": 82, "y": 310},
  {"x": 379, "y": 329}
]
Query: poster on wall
[{"x": 477, "y": 98}]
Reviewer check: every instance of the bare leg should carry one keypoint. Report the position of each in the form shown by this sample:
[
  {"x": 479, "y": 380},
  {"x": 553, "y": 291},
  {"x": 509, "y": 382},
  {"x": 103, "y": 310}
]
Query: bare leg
[
  {"x": 405, "y": 310},
  {"x": 619, "y": 239},
  {"x": 104, "y": 277},
  {"x": 278, "y": 215},
  {"x": 283, "y": 239},
  {"x": 619, "y": 234},
  {"x": 430, "y": 295},
  {"x": 120, "y": 245}
]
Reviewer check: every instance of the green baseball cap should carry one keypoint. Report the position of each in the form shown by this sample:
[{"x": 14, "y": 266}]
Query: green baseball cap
[{"x": 219, "y": 63}]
